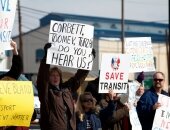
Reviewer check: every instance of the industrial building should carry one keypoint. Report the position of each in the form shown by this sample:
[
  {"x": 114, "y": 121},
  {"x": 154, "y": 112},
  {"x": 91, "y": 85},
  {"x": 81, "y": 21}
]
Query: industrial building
[{"x": 107, "y": 35}]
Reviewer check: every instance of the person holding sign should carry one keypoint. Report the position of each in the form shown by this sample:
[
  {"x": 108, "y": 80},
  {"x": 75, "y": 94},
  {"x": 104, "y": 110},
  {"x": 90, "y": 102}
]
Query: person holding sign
[
  {"x": 57, "y": 108},
  {"x": 17, "y": 66},
  {"x": 148, "y": 103},
  {"x": 13, "y": 74},
  {"x": 115, "y": 115}
]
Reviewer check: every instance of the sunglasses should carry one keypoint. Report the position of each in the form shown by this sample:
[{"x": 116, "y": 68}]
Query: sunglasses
[
  {"x": 88, "y": 100},
  {"x": 160, "y": 80}
]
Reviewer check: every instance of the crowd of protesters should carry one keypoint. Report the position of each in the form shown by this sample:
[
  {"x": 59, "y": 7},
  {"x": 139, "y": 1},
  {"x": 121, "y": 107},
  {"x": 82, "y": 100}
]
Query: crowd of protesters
[{"x": 62, "y": 108}]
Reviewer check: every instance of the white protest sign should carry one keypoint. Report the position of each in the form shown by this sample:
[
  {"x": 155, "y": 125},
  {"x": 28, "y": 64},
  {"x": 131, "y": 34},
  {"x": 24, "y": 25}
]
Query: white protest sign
[
  {"x": 114, "y": 73},
  {"x": 72, "y": 45},
  {"x": 162, "y": 115},
  {"x": 134, "y": 120},
  {"x": 133, "y": 86},
  {"x": 7, "y": 15},
  {"x": 140, "y": 49}
]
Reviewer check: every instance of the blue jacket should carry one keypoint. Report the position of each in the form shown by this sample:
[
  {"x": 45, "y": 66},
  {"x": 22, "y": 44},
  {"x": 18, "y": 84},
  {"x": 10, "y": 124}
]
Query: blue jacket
[
  {"x": 114, "y": 117},
  {"x": 145, "y": 108},
  {"x": 96, "y": 124}
]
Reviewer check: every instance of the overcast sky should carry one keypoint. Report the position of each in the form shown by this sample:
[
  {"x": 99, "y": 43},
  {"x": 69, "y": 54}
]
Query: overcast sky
[
  {"x": 142, "y": 10},
  {"x": 149, "y": 10}
]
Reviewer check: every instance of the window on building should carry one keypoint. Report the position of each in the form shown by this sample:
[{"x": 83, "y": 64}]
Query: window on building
[
  {"x": 160, "y": 32},
  {"x": 113, "y": 26},
  {"x": 39, "y": 54},
  {"x": 97, "y": 25}
]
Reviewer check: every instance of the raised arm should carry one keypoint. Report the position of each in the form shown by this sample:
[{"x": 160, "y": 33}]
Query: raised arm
[
  {"x": 43, "y": 76},
  {"x": 17, "y": 64},
  {"x": 77, "y": 80}
]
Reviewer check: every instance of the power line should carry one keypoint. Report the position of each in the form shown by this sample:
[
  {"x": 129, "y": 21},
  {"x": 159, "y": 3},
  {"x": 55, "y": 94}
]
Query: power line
[
  {"x": 35, "y": 30},
  {"x": 39, "y": 11},
  {"x": 25, "y": 14},
  {"x": 39, "y": 38}
]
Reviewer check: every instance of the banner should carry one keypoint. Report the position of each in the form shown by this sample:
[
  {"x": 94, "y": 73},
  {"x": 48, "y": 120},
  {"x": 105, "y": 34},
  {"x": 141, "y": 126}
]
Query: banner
[
  {"x": 7, "y": 16},
  {"x": 140, "y": 49},
  {"x": 16, "y": 103},
  {"x": 72, "y": 45},
  {"x": 114, "y": 73}
]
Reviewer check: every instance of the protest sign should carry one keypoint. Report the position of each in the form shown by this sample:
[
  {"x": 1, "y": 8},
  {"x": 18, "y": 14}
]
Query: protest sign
[
  {"x": 140, "y": 49},
  {"x": 7, "y": 15},
  {"x": 72, "y": 45},
  {"x": 134, "y": 120},
  {"x": 114, "y": 73},
  {"x": 133, "y": 86},
  {"x": 17, "y": 103},
  {"x": 162, "y": 115}
]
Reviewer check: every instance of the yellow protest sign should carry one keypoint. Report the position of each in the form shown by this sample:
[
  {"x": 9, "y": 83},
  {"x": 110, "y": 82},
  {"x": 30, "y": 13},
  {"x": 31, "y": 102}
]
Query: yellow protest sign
[{"x": 16, "y": 103}]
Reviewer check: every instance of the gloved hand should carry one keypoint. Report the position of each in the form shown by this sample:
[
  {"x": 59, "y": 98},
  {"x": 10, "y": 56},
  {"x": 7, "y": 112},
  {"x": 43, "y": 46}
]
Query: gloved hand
[
  {"x": 93, "y": 53},
  {"x": 140, "y": 77},
  {"x": 46, "y": 47}
]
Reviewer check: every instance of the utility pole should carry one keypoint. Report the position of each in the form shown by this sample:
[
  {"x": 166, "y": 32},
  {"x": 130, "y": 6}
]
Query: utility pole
[
  {"x": 20, "y": 31},
  {"x": 168, "y": 54},
  {"x": 122, "y": 26}
]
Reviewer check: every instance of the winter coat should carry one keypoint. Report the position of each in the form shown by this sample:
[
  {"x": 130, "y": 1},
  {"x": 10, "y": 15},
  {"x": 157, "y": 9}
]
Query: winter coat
[
  {"x": 96, "y": 124},
  {"x": 57, "y": 107},
  {"x": 114, "y": 117},
  {"x": 145, "y": 108}
]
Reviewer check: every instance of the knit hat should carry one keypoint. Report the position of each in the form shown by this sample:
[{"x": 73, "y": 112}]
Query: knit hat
[{"x": 140, "y": 77}]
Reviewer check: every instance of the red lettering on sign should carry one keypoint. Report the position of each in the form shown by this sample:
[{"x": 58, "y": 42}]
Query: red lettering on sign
[{"x": 114, "y": 76}]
